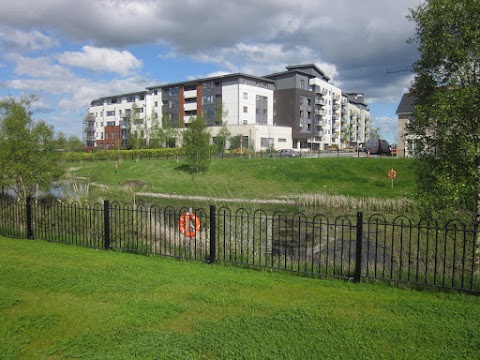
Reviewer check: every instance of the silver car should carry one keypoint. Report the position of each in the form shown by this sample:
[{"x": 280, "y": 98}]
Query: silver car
[{"x": 287, "y": 153}]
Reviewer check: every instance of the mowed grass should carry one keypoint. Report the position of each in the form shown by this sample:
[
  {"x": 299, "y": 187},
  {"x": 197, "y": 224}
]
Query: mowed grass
[
  {"x": 262, "y": 177},
  {"x": 65, "y": 302}
]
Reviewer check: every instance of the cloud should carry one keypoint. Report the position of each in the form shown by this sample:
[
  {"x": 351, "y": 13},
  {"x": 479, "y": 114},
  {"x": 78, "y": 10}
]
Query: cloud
[
  {"x": 40, "y": 67},
  {"x": 101, "y": 59},
  {"x": 388, "y": 128},
  {"x": 353, "y": 42},
  {"x": 15, "y": 39}
]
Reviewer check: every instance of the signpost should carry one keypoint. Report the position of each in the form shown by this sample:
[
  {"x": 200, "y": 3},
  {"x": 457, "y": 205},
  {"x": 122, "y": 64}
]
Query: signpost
[{"x": 392, "y": 174}]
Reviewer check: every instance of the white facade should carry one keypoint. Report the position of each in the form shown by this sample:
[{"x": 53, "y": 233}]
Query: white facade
[
  {"x": 111, "y": 111},
  {"x": 260, "y": 137},
  {"x": 239, "y": 101},
  {"x": 328, "y": 97}
]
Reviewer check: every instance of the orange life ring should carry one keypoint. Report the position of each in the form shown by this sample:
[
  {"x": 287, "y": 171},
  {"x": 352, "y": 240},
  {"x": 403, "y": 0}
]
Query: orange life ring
[
  {"x": 391, "y": 174},
  {"x": 188, "y": 224}
]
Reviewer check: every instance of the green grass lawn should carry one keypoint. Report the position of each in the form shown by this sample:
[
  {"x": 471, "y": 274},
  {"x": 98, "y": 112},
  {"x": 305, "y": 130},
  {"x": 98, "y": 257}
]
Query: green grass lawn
[
  {"x": 65, "y": 302},
  {"x": 262, "y": 177}
]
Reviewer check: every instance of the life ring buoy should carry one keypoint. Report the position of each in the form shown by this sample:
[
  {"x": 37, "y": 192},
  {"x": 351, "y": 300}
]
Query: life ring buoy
[
  {"x": 188, "y": 224},
  {"x": 391, "y": 174}
]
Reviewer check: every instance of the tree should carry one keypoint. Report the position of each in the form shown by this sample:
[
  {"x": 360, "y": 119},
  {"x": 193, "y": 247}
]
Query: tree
[
  {"x": 161, "y": 132},
  {"x": 374, "y": 134},
  {"x": 196, "y": 142},
  {"x": 222, "y": 137},
  {"x": 28, "y": 149},
  {"x": 136, "y": 126},
  {"x": 235, "y": 142},
  {"x": 447, "y": 113},
  {"x": 72, "y": 143}
]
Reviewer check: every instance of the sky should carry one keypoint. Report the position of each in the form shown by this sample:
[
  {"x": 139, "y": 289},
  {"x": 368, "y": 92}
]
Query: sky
[{"x": 68, "y": 53}]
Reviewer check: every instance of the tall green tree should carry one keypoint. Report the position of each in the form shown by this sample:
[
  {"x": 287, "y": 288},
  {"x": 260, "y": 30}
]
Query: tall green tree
[
  {"x": 222, "y": 137},
  {"x": 447, "y": 114},
  {"x": 196, "y": 142},
  {"x": 29, "y": 156},
  {"x": 162, "y": 133}
]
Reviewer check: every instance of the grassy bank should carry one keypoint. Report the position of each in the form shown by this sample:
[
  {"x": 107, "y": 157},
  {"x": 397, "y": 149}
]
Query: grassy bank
[
  {"x": 261, "y": 177},
  {"x": 60, "y": 301}
]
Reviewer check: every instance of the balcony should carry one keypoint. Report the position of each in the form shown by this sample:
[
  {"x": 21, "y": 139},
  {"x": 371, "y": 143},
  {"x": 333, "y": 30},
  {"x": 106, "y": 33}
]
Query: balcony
[
  {"x": 190, "y": 106},
  {"x": 190, "y": 94},
  {"x": 321, "y": 112},
  {"x": 320, "y": 101}
]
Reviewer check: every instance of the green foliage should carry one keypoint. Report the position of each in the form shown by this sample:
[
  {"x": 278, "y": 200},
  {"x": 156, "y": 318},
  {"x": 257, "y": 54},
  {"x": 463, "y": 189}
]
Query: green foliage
[
  {"x": 235, "y": 142},
  {"x": 222, "y": 138},
  {"x": 196, "y": 142},
  {"x": 59, "y": 301},
  {"x": 72, "y": 143},
  {"x": 447, "y": 115},
  {"x": 264, "y": 178},
  {"x": 98, "y": 155},
  {"x": 162, "y": 134},
  {"x": 29, "y": 156}
]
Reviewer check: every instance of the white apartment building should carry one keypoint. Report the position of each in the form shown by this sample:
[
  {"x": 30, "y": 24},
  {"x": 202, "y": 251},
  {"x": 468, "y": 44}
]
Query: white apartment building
[{"x": 297, "y": 108}]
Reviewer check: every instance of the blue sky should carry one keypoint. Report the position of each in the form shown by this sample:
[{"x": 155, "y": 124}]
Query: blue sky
[{"x": 68, "y": 53}]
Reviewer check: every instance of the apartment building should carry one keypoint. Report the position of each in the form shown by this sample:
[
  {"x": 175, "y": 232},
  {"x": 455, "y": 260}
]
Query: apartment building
[
  {"x": 316, "y": 110},
  {"x": 296, "y": 108},
  {"x": 355, "y": 121},
  {"x": 110, "y": 119}
]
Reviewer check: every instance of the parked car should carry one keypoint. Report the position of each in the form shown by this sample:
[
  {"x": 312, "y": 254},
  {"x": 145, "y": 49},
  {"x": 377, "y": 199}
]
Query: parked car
[{"x": 286, "y": 153}]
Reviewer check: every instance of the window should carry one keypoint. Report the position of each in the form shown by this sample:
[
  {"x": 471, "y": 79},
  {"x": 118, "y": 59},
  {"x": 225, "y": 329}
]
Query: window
[
  {"x": 155, "y": 92},
  {"x": 245, "y": 96},
  {"x": 266, "y": 142},
  {"x": 282, "y": 140},
  {"x": 309, "y": 102},
  {"x": 142, "y": 97},
  {"x": 131, "y": 99},
  {"x": 111, "y": 113},
  {"x": 207, "y": 99},
  {"x": 245, "y": 109},
  {"x": 155, "y": 104},
  {"x": 245, "y": 122},
  {"x": 120, "y": 112},
  {"x": 302, "y": 84}
]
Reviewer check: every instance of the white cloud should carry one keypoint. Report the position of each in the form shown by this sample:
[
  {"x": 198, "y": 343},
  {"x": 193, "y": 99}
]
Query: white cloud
[
  {"x": 263, "y": 59},
  {"x": 41, "y": 67},
  {"x": 25, "y": 40},
  {"x": 101, "y": 59}
]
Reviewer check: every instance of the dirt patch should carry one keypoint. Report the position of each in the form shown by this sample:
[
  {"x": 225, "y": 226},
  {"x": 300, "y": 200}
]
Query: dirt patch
[{"x": 137, "y": 184}]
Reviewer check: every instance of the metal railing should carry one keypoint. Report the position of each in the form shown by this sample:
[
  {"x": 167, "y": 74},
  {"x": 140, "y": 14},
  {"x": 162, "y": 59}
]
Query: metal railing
[{"x": 395, "y": 250}]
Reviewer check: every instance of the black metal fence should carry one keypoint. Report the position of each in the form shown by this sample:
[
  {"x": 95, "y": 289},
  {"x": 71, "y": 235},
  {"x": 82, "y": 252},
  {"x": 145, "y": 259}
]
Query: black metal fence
[{"x": 397, "y": 250}]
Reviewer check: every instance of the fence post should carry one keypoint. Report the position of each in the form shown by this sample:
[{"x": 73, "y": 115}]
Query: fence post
[
  {"x": 358, "y": 252},
  {"x": 213, "y": 234},
  {"x": 29, "y": 218},
  {"x": 106, "y": 224}
]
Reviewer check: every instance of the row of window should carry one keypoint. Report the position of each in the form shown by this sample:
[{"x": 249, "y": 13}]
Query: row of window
[{"x": 270, "y": 142}]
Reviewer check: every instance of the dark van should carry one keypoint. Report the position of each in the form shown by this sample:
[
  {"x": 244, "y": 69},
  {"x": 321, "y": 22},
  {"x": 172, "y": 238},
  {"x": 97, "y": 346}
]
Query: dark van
[{"x": 378, "y": 146}]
